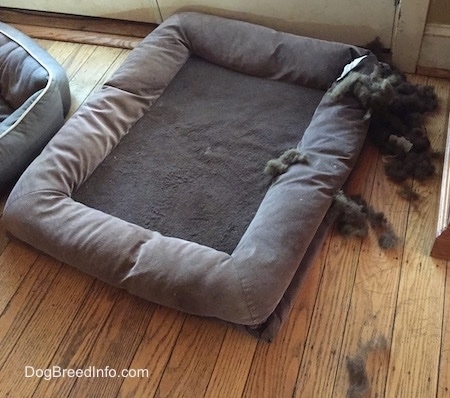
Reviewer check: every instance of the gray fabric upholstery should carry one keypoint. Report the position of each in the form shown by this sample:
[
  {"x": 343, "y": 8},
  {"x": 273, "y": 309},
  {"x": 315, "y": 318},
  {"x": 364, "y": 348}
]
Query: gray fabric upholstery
[
  {"x": 34, "y": 99},
  {"x": 255, "y": 284},
  {"x": 204, "y": 143}
]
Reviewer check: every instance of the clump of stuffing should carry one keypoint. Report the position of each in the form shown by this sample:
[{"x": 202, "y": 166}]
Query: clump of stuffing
[
  {"x": 396, "y": 111},
  {"x": 356, "y": 367},
  {"x": 351, "y": 219},
  {"x": 354, "y": 216},
  {"x": 275, "y": 167},
  {"x": 372, "y": 91},
  {"x": 410, "y": 164},
  {"x": 396, "y": 108},
  {"x": 388, "y": 239}
]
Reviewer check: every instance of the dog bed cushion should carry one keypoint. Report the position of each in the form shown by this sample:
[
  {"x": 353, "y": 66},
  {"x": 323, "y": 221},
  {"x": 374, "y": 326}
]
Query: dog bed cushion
[
  {"x": 34, "y": 100},
  {"x": 252, "y": 279},
  {"x": 204, "y": 143}
]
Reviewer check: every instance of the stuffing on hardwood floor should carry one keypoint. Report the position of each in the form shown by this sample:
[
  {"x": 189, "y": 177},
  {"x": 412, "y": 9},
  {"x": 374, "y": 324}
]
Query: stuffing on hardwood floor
[
  {"x": 396, "y": 109},
  {"x": 356, "y": 367}
]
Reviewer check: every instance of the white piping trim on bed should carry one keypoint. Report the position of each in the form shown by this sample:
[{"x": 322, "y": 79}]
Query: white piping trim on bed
[
  {"x": 46, "y": 88},
  {"x": 350, "y": 66}
]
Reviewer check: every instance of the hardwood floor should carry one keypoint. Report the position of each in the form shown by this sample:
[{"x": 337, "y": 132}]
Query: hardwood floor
[{"x": 54, "y": 316}]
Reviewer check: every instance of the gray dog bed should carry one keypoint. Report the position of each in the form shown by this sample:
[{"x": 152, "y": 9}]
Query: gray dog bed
[
  {"x": 156, "y": 184},
  {"x": 34, "y": 99}
]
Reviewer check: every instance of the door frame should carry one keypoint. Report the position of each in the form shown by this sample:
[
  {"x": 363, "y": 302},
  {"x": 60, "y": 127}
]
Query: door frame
[{"x": 409, "y": 28}]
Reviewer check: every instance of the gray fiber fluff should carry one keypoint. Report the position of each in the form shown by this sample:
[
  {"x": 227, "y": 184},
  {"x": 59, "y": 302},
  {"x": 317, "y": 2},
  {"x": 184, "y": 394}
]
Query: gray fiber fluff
[
  {"x": 354, "y": 216},
  {"x": 396, "y": 109},
  {"x": 280, "y": 165},
  {"x": 356, "y": 367}
]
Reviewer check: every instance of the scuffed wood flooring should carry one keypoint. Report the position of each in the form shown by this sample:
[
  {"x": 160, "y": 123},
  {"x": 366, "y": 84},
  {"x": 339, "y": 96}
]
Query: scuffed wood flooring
[{"x": 53, "y": 316}]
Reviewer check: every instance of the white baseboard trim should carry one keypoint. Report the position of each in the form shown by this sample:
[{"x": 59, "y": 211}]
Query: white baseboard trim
[
  {"x": 435, "y": 49},
  {"x": 437, "y": 29}
]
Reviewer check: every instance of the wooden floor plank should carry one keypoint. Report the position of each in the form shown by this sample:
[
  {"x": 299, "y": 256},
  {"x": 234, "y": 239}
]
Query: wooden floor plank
[
  {"x": 43, "y": 333},
  {"x": 71, "y": 56},
  {"x": 233, "y": 363},
  {"x": 92, "y": 73},
  {"x": 444, "y": 359},
  {"x": 77, "y": 344},
  {"x": 4, "y": 238},
  {"x": 24, "y": 303},
  {"x": 114, "y": 347},
  {"x": 15, "y": 263},
  {"x": 193, "y": 358},
  {"x": 68, "y": 54},
  {"x": 416, "y": 339},
  {"x": 154, "y": 352}
]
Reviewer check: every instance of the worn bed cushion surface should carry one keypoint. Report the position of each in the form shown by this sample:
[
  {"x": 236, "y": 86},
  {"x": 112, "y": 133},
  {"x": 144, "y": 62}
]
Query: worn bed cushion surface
[
  {"x": 192, "y": 166},
  {"x": 255, "y": 283},
  {"x": 34, "y": 99}
]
